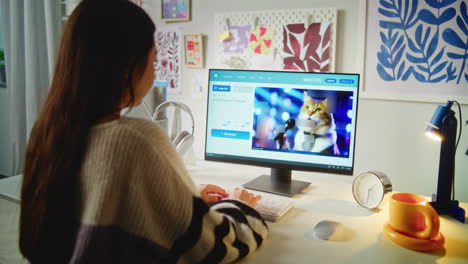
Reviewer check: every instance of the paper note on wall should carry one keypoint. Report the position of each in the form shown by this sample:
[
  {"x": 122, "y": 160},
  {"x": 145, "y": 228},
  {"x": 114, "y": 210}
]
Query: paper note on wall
[
  {"x": 199, "y": 86},
  {"x": 239, "y": 40},
  {"x": 271, "y": 61}
]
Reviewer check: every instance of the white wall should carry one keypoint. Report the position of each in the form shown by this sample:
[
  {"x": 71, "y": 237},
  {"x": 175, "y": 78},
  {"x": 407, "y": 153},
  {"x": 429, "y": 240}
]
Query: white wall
[{"x": 390, "y": 135}]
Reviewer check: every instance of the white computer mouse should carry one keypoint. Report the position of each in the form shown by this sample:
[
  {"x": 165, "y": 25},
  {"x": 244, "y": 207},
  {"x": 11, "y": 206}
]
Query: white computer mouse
[{"x": 328, "y": 230}]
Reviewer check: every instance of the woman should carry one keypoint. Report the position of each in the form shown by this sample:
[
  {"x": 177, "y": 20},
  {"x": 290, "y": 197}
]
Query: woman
[{"x": 100, "y": 188}]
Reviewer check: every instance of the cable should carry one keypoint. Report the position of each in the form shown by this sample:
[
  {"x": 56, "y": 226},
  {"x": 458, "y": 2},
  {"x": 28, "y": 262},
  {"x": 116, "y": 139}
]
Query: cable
[
  {"x": 466, "y": 124},
  {"x": 460, "y": 128},
  {"x": 456, "y": 147}
]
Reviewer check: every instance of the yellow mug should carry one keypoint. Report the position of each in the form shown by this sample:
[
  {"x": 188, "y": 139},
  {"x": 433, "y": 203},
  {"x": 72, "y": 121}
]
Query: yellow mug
[{"x": 412, "y": 215}]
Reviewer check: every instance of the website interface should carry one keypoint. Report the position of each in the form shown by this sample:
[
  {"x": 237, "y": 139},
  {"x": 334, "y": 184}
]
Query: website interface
[{"x": 293, "y": 118}]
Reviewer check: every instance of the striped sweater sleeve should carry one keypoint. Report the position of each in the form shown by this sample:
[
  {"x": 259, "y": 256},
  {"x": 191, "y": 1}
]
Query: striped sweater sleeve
[
  {"x": 227, "y": 231},
  {"x": 146, "y": 195}
]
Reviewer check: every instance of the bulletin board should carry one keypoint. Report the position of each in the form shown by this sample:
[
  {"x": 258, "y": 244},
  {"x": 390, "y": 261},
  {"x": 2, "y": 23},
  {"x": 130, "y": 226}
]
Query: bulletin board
[{"x": 274, "y": 20}]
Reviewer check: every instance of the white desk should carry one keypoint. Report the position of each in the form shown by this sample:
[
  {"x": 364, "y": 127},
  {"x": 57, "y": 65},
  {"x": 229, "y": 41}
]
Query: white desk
[
  {"x": 328, "y": 197},
  {"x": 10, "y": 188},
  {"x": 9, "y": 220}
]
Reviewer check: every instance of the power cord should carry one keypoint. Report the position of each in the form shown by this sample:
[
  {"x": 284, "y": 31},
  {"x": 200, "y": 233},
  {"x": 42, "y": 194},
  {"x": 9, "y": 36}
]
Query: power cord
[
  {"x": 460, "y": 128},
  {"x": 466, "y": 123},
  {"x": 456, "y": 147}
]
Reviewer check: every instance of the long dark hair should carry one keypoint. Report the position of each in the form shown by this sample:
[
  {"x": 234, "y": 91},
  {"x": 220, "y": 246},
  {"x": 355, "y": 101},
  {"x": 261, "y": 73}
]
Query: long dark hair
[{"x": 103, "y": 44}]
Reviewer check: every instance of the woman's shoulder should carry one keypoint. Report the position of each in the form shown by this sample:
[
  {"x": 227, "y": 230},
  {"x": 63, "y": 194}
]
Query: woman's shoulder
[
  {"x": 140, "y": 124},
  {"x": 129, "y": 125},
  {"x": 130, "y": 129}
]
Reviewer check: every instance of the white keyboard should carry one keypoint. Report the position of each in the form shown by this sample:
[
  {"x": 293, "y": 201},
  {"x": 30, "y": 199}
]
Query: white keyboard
[{"x": 272, "y": 207}]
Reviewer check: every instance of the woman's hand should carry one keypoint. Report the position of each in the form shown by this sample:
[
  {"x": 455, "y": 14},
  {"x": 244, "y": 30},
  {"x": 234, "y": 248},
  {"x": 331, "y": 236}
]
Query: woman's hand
[
  {"x": 245, "y": 196},
  {"x": 211, "y": 193}
]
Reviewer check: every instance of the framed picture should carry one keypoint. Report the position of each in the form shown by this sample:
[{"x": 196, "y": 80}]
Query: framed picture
[
  {"x": 420, "y": 58},
  {"x": 193, "y": 47},
  {"x": 175, "y": 10}
]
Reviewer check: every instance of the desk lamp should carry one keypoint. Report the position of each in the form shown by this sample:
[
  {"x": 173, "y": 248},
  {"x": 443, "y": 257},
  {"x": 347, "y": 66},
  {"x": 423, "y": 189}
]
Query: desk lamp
[{"x": 443, "y": 128}]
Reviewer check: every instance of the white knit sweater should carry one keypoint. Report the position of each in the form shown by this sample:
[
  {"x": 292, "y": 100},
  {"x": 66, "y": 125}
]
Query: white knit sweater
[{"x": 139, "y": 205}]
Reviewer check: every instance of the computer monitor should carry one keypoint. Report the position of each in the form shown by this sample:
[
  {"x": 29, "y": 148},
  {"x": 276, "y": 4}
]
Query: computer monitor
[{"x": 283, "y": 120}]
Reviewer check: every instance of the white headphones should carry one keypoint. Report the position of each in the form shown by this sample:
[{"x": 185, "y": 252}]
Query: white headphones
[{"x": 182, "y": 140}]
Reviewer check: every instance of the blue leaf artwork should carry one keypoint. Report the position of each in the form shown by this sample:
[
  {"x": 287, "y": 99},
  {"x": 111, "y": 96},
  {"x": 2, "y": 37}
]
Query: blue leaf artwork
[
  {"x": 423, "y": 40},
  {"x": 451, "y": 73},
  {"x": 390, "y": 55}
]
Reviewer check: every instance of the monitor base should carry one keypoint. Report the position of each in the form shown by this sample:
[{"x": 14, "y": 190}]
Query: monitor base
[{"x": 266, "y": 183}]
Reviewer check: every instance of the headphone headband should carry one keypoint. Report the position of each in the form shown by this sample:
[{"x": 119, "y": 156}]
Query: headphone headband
[{"x": 180, "y": 105}]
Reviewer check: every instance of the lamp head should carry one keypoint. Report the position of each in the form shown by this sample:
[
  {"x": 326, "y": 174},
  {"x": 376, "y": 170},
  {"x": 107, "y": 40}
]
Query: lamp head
[{"x": 433, "y": 129}]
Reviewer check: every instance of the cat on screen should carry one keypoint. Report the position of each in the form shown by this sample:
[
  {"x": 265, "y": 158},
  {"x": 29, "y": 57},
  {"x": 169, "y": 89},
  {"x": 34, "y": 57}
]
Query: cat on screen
[{"x": 316, "y": 127}]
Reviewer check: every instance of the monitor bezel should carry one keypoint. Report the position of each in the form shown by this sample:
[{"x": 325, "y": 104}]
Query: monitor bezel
[{"x": 269, "y": 164}]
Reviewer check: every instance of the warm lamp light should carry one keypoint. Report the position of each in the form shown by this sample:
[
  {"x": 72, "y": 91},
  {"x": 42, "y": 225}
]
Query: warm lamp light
[
  {"x": 433, "y": 135},
  {"x": 443, "y": 127}
]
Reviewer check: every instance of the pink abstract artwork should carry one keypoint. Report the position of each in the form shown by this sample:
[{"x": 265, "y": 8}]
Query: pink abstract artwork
[
  {"x": 307, "y": 49},
  {"x": 167, "y": 64},
  {"x": 239, "y": 39},
  {"x": 260, "y": 40}
]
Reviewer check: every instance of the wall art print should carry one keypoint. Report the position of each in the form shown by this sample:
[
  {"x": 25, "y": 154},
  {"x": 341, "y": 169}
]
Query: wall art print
[
  {"x": 261, "y": 47},
  {"x": 239, "y": 40},
  {"x": 417, "y": 48},
  {"x": 260, "y": 40},
  {"x": 168, "y": 64},
  {"x": 307, "y": 49},
  {"x": 175, "y": 10},
  {"x": 193, "y": 52}
]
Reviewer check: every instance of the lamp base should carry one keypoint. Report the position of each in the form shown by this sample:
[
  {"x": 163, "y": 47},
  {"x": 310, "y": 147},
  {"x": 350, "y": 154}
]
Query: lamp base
[{"x": 450, "y": 208}]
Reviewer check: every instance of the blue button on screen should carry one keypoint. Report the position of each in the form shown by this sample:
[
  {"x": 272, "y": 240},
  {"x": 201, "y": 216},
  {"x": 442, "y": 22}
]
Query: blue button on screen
[
  {"x": 221, "y": 88},
  {"x": 230, "y": 134},
  {"x": 347, "y": 81},
  {"x": 330, "y": 80}
]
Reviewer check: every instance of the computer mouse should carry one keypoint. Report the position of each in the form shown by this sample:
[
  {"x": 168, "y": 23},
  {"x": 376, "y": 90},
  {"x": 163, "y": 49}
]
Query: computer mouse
[{"x": 328, "y": 230}]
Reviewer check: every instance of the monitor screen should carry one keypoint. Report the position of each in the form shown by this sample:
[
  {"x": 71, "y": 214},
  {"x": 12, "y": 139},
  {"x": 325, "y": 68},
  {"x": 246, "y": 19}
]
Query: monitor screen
[{"x": 290, "y": 120}]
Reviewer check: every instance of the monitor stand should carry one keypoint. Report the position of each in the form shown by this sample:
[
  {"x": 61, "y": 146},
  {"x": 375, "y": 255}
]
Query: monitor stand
[{"x": 279, "y": 182}]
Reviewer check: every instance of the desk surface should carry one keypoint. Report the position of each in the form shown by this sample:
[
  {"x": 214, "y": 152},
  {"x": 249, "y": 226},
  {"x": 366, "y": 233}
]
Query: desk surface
[
  {"x": 10, "y": 188},
  {"x": 328, "y": 197}
]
